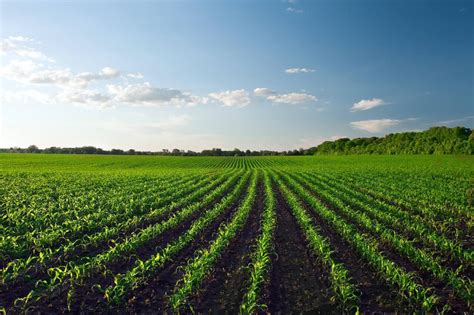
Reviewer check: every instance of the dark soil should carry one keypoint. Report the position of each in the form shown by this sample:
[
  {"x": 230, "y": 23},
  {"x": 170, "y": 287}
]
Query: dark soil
[
  {"x": 224, "y": 290},
  {"x": 26, "y": 283},
  {"x": 426, "y": 279},
  {"x": 376, "y": 296},
  {"x": 38, "y": 272},
  {"x": 462, "y": 228},
  {"x": 447, "y": 259},
  {"x": 298, "y": 283},
  {"x": 92, "y": 297},
  {"x": 151, "y": 297}
]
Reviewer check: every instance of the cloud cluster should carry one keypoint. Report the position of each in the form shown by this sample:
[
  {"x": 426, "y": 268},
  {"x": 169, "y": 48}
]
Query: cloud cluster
[
  {"x": 33, "y": 68},
  {"x": 144, "y": 94},
  {"x": 90, "y": 98},
  {"x": 30, "y": 72},
  {"x": 367, "y": 104},
  {"x": 299, "y": 70},
  {"x": 235, "y": 98},
  {"x": 36, "y": 69}
]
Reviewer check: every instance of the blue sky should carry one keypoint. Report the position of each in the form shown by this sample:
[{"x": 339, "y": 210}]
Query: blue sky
[{"x": 249, "y": 74}]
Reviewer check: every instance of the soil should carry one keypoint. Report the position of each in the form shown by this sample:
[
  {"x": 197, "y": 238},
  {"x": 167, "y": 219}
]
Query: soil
[
  {"x": 298, "y": 283},
  {"x": 426, "y": 279},
  {"x": 224, "y": 290},
  {"x": 89, "y": 294}
]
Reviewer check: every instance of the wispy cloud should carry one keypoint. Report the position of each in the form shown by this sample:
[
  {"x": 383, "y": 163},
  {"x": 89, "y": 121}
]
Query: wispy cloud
[
  {"x": 17, "y": 45},
  {"x": 375, "y": 125},
  {"x": 137, "y": 75},
  {"x": 367, "y": 104},
  {"x": 292, "y": 98},
  {"x": 455, "y": 121},
  {"x": 294, "y": 10},
  {"x": 299, "y": 70},
  {"x": 288, "y": 98}
]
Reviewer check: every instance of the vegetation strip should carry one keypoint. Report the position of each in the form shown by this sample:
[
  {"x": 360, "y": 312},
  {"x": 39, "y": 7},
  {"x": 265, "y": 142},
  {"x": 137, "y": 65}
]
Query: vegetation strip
[
  {"x": 20, "y": 267},
  {"x": 201, "y": 265},
  {"x": 463, "y": 287},
  {"x": 392, "y": 273},
  {"x": 261, "y": 257},
  {"x": 345, "y": 291},
  {"x": 75, "y": 273},
  {"x": 124, "y": 283},
  {"x": 327, "y": 234},
  {"x": 397, "y": 218}
]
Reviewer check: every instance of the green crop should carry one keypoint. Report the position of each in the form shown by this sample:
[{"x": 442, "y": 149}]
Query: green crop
[{"x": 95, "y": 233}]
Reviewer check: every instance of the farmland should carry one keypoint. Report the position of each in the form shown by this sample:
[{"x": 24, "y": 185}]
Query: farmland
[{"x": 236, "y": 234}]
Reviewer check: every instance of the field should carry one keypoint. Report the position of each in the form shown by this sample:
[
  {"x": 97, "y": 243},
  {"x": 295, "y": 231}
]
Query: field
[{"x": 238, "y": 234}]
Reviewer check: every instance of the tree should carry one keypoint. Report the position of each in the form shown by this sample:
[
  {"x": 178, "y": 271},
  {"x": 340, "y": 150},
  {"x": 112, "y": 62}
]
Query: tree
[{"x": 32, "y": 149}]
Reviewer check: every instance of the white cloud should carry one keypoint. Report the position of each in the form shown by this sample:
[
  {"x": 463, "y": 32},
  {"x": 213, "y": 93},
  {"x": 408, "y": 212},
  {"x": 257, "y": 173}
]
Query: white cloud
[
  {"x": 292, "y": 98},
  {"x": 375, "y": 125},
  {"x": 299, "y": 70},
  {"x": 73, "y": 88},
  {"x": 109, "y": 73},
  {"x": 19, "y": 70},
  {"x": 144, "y": 94},
  {"x": 84, "y": 97},
  {"x": 235, "y": 98},
  {"x": 28, "y": 71},
  {"x": 263, "y": 92},
  {"x": 294, "y": 10},
  {"x": 20, "y": 39},
  {"x": 16, "y": 45},
  {"x": 367, "y": 104},
  {"x": 54, "y": 76},
  {"x": 106, "y": 73},
  {"x": 136, "y": 75}
]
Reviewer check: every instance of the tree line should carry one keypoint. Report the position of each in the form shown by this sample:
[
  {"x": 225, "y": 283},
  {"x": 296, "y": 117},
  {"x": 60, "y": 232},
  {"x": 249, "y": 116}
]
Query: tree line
[
  {"x": 436, "y": 140},
  {"x": 174, "y": 152}
]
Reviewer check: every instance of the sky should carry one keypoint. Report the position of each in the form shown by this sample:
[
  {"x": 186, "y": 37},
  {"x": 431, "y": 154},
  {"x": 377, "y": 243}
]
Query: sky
[{"x": 194, "y": 75}]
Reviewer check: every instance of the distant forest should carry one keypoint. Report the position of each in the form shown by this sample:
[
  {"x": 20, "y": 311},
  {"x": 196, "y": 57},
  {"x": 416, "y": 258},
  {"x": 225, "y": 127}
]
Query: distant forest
[{"x": 436, "y": 140}]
